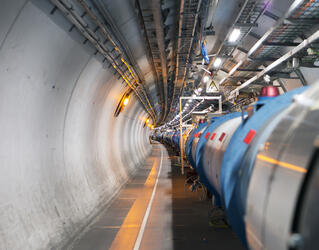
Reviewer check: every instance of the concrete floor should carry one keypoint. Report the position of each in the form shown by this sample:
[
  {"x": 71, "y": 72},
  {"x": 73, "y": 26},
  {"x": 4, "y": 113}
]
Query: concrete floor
[{"x": 168, "y": 218}]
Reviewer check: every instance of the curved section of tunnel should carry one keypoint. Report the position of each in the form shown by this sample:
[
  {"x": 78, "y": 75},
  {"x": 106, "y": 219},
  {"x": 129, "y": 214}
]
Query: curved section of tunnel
[{"x": 63, "y": 153}]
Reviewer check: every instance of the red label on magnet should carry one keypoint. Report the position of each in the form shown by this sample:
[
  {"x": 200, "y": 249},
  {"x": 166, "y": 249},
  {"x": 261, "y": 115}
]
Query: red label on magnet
[
  {"x": 199, "y": 135},
  {"x": 207, "y": 135},
  {"x": 249, "y": 136},
  {"x": 213, "y": 136},
  {"x": 222, "y": 136}
]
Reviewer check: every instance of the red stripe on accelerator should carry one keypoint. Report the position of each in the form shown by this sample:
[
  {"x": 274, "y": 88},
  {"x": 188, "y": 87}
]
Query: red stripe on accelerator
[
  {"x": 250, "y": 135},
  {"x": 222, "y": 136},
  {"x": 213, "y": 136},
  {"x": 207, "y": 135}
]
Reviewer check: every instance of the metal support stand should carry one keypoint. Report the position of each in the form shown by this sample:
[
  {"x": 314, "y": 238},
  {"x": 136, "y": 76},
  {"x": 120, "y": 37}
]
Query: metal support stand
[
  {"x": 181, "y": 142},
  {"x": 181, "y": 135}
]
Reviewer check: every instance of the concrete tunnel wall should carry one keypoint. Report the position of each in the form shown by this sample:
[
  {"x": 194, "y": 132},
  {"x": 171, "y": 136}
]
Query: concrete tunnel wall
[{"x": 63, "y": 154}]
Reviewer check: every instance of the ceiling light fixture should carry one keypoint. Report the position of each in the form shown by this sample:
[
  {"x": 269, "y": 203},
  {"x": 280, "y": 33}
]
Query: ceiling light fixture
[
  {"x": 234, "y": 35},
  {"x": 217, "y": 62},
  {"x": 206, "y": 79},
  {"x": 125, "y": 102}
]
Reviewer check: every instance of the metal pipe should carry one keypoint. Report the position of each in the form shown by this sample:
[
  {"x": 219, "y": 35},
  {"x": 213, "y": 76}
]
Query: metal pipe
[
  {"x": 289, "y": 54},
  {"x": 261, "y": 40},
  {"x": 235, "y": 68},
  {"x": 259, "y": 43}
]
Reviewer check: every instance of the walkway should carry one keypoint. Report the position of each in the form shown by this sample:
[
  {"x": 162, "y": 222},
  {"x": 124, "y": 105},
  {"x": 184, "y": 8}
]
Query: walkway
[{"x": 153, "y": 212}]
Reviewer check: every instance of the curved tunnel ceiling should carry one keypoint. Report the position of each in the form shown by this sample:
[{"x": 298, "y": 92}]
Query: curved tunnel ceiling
[{"x": 156, "y": 47}]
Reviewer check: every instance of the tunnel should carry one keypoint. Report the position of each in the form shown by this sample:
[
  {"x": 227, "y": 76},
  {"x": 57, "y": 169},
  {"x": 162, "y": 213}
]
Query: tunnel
[{"x": 112, "y": 111}]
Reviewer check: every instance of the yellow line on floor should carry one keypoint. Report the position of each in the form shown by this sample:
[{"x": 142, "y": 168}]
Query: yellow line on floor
[{"x": 126, "y": 237}]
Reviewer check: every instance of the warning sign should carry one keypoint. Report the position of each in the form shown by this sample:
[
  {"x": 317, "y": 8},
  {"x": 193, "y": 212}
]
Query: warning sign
[{"x": 211, "y": 87}]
